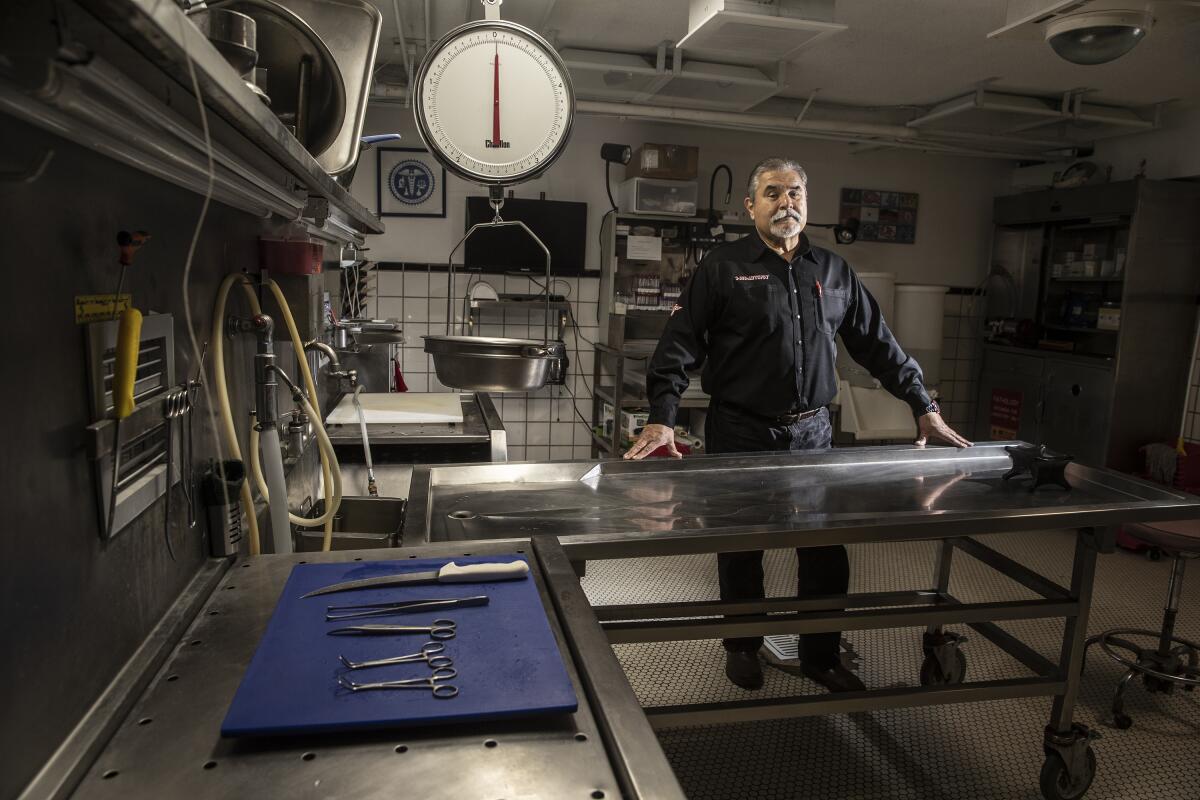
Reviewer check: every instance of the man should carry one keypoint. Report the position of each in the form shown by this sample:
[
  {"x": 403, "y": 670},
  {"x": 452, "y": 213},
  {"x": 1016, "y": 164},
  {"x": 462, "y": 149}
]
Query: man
[{"x": 761, "y": 315}]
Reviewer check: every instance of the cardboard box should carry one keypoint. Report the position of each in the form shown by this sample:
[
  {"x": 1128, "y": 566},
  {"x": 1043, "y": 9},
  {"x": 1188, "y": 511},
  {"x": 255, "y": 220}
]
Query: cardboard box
[
  {"x": 632, "y": 422},
  {"x": 671, "y": 161}
]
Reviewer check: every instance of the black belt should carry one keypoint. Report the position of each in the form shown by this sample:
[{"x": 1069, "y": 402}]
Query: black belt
[
  {"x": 789, "y": 418},
  {"x": 795, "y": 416}
]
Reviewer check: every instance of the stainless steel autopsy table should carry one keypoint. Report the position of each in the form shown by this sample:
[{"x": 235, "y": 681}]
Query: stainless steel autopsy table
[
  {"x": 155, "y": 732},
  {"x": 620, "y": 509},
  {"x": 479, "y": 437}
]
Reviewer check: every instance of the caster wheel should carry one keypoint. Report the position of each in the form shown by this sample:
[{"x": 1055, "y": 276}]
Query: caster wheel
[
  {"x": 1056, "y": 781},
  {"x": 1153, "y": 554},
  {"x": 1122, "y": 722},
  {"x": 932, "y": 675}
]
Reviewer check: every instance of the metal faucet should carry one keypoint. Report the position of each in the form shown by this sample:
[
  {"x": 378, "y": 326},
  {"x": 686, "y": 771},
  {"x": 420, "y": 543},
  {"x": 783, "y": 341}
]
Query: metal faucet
[
  {"x": 335, "y": 365},
  {"x": 263, "y": 327}
]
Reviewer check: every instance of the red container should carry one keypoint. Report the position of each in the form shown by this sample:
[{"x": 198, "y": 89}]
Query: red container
[{"x": 290, "y": 256}]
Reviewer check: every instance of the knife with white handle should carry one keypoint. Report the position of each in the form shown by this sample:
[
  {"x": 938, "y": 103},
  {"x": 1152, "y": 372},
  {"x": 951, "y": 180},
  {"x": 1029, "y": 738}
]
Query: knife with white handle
[{"x": 450, "y": 573}]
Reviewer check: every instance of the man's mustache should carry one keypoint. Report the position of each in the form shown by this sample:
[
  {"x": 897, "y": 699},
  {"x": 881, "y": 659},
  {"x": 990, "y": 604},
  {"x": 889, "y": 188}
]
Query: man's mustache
[{"x": 785, "y": 214}]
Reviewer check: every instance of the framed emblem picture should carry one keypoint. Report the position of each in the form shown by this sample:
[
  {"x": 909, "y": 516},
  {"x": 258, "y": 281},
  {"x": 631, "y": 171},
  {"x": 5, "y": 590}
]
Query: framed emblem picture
[{"x": 411, "y": 183}]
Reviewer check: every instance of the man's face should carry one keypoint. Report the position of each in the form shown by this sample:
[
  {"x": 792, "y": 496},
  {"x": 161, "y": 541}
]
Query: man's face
[{"x": 779, "y": 207}]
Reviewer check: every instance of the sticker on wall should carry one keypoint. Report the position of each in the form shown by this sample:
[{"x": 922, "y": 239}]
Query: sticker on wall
[
  {"x": 1005, "y": 416},
  {"x": 882, "y": 216},
  {"x": 411, "y": 183},
  {"x": 99, "y": 307}
]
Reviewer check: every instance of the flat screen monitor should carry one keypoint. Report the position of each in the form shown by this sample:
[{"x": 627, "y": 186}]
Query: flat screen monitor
[{"x": 561, "y": 225}]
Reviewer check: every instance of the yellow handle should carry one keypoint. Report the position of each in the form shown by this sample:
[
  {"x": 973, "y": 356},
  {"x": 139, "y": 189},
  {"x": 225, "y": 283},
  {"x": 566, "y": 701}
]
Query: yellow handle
[{"x": 129, "y": 336}]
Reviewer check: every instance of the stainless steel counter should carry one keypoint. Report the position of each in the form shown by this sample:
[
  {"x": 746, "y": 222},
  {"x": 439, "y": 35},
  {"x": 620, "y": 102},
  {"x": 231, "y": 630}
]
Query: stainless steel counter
[
  {"x": 622, "y": 508},
  {"x": 480, "y": 437},
  {"x": 165, "y": 740}
]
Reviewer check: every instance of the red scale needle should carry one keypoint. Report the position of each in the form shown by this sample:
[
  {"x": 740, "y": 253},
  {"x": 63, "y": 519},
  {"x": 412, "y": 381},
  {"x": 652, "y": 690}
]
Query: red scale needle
[{"x": 496, "y": 100}]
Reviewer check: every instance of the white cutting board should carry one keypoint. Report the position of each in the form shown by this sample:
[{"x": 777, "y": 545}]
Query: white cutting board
[{"x": 391, "y": 409}]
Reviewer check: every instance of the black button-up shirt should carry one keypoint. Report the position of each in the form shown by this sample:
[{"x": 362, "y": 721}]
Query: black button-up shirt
[{"x": 763, "y": 330}]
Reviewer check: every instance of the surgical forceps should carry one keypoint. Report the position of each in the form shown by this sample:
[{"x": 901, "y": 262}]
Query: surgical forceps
[
  {"x": 442, "y": 691},
  {"x": 430, "y": 653},
  {"x": 438, "y": 629},
  {"x": 402, "y": 607}
]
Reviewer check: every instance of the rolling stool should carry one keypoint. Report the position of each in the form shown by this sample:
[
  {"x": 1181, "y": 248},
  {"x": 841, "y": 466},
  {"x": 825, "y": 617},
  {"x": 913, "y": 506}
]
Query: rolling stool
[{"x": 1173, "y": 661}]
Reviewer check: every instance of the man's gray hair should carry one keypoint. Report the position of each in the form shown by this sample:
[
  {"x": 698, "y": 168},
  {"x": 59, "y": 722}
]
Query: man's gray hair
[{"x": 773, "y": 165}]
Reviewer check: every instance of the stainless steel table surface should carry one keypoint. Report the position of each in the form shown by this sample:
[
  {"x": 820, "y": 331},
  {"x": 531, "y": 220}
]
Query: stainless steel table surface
[
  {"x": 603, "y": 509},
  {"x": 615, "y": 509},
  {"x": 167, "y": 742}
]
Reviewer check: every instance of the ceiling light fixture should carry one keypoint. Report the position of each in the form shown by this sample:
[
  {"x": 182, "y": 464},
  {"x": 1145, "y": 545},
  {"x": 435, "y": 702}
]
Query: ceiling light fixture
[{"x": 1097, "y": 37}]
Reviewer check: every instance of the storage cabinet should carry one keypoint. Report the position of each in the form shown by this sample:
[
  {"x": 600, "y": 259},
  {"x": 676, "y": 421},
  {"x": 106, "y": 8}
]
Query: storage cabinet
[
  {"x": 1117, "y": 271},
  {"x": 639, "y": 283}
]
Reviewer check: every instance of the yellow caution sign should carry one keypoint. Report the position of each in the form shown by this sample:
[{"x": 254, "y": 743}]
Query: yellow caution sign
[{"x": 99, "y": 307}]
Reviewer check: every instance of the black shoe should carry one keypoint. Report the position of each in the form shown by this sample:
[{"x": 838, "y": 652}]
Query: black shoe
[
  {"x": 743, "y": 669},
  {"x": 836, "y": 678}
]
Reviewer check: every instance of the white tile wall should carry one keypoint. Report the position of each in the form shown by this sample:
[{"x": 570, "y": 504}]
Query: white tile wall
[
  {"x": 1191, "y": 427},
  {"x": 541, "y": 425},
  {"x": 962, "y": 331}
]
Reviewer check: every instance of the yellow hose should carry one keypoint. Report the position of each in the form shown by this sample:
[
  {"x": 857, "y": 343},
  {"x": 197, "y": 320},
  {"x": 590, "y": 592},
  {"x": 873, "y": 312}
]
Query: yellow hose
[
  {"x": 333, "y": 487},
  {"x": 217, "y": 340},
  {"x": 330, "y": 475},
  {"x": 311, "y": 387}
]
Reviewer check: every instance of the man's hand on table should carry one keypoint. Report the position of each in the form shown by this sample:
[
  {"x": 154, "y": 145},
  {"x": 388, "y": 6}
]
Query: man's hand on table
[
  {"x": 933, "y": 427},
  {"x": 652, "y": 438}
]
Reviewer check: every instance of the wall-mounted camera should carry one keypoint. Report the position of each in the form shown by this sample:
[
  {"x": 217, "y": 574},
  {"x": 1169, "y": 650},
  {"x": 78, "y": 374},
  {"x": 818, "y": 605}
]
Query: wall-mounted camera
[{"x": 1097, "y": 37}]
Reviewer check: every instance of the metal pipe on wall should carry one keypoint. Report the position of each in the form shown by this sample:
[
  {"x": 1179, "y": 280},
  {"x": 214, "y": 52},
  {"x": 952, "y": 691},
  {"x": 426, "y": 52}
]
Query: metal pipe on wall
[{"x": 409, "y": 77}]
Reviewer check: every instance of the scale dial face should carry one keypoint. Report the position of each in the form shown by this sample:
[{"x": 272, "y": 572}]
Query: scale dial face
[{"x": 494, "y": 102}]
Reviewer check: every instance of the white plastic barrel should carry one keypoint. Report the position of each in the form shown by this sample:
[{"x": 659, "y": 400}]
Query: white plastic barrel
[
  {"x": 918, "y": 325},
  {"x": 882, "y": 286}
]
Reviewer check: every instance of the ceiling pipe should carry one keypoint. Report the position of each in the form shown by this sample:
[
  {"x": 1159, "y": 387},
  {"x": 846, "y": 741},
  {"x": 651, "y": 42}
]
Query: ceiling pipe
[
  {"x": 766, "y": 121},
  {"x": 896, "y": 136},
  {"x": 408, "y": 72}
]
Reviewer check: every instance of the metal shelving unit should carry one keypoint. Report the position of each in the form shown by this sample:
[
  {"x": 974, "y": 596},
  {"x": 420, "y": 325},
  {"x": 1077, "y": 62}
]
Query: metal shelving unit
[{"x": 620, "y": 393}]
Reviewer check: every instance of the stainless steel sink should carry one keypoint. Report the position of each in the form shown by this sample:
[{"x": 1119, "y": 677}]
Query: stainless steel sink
[{"x": 362, "y": 523}]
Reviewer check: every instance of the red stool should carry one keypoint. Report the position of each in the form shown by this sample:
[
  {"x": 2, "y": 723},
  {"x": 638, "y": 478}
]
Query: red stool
[{"x": 1172, "y": 661}]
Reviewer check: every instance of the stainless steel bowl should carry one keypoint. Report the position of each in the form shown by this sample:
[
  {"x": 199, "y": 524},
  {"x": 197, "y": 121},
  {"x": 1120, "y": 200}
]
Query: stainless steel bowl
[{"x": 485, "y": 364}]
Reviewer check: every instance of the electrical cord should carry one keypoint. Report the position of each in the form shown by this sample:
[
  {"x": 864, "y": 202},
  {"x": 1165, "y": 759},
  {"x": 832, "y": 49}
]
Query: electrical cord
[
  {"x": 608, "y": 185},
  {"x": 197, "y": 353},
  {"x": 582, "y": 375}
]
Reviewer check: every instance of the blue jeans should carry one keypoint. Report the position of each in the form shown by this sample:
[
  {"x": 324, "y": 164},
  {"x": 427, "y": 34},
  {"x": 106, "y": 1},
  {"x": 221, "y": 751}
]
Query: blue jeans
[{"x": 820, "y": 570}]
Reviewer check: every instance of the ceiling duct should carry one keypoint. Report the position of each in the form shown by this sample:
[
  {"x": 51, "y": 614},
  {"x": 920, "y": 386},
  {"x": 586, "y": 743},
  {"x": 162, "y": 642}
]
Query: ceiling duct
[
  {"x": 697, "y": 84},
  {"x": 1076, "y": 120},
  {"x": 769, "y": 31},
  {"x": 600, "y": 75}
]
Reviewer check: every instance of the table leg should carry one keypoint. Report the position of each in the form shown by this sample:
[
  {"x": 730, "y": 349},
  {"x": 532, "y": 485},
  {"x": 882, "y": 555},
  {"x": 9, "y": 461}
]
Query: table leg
[
  {"x": 1070, "y": 762},
  {"x": 941, "y": 574}
]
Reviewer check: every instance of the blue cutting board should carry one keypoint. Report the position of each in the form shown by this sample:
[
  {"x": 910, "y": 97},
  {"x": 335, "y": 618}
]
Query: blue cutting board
[{"x": 507, "y": 658}]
